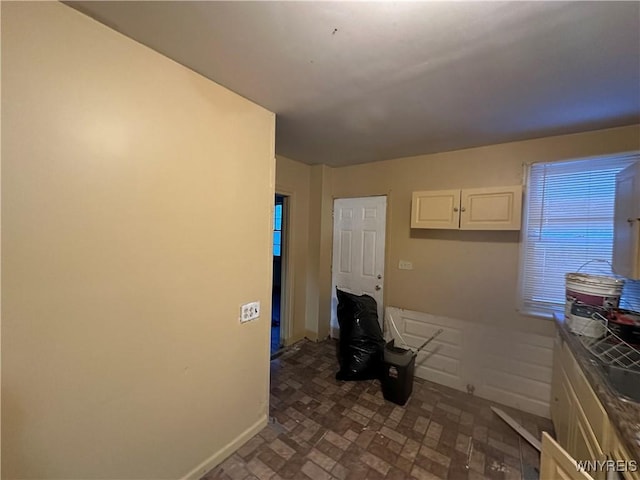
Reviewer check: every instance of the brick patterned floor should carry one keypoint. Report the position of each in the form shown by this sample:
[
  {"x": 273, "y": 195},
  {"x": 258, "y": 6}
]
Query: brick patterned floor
[{"x": 323, "y": 429}]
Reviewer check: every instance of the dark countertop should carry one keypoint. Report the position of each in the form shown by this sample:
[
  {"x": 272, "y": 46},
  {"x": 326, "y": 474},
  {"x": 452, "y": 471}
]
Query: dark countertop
[{"x": 623, "y": 414}]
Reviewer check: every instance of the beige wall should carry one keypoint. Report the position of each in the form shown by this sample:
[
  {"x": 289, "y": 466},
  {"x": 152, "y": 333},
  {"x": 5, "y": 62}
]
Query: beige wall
[
  {"x": 128, "y": 248},
  {"x": 463, "y": 281},
  {"x": 311, "y": 226},
  {"x": 293, "y": 179},
  {"x": 468, "y": 275},
  {"x": 321, "y": 238}
]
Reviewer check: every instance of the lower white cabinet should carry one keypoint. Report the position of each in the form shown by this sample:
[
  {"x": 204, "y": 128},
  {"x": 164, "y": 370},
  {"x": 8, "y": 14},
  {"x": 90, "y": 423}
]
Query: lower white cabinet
[
  {"x": 495, "y": 208},
  {"x": 582, "y": 426},
  {"x": 619, "y": 452},
  {"x": 561, "y": 401},
  {"x": 556, "y": 463}
]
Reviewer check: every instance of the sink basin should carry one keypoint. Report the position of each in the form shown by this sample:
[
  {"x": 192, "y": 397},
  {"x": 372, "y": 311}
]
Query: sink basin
[
  {"x": 624, "y": 377},
  {"x": 625, "y": 382}
]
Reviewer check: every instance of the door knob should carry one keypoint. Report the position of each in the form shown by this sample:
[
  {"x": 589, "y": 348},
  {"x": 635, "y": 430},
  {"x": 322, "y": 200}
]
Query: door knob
[
  {"x": 378, "y": 287},
  {"x": 379, "y": 277}
]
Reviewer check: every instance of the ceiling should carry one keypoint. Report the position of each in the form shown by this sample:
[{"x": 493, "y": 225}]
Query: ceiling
[{"x": 355, "y": 82}]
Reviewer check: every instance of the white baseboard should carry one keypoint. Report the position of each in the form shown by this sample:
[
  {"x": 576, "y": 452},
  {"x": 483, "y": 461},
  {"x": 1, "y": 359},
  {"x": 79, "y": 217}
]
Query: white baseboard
[
  {"x": 221, "y": 455},
  {"x": 310, "y": 335}
]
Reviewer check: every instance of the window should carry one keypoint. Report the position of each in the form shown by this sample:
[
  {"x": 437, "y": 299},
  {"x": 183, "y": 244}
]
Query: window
[
  {"x": 277, "y": 230},
  {"x": 568, "y": 222}
]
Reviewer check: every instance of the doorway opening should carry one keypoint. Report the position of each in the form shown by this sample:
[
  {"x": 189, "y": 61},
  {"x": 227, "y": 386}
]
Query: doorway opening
[{"x": 279, "y": 272}]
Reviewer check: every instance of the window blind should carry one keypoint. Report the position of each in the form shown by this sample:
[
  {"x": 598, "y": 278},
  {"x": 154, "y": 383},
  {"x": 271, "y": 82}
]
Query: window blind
[{"x": 568, "y": 222}]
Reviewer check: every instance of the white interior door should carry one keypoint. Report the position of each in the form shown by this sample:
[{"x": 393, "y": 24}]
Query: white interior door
[{"x": 358, "y": 250}]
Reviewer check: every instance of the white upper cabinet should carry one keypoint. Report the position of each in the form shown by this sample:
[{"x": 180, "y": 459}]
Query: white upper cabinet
[
  {"x": 496, "y": 208},
  {"x": 626, "y": 223},
  {"x": 491, "y": 208},
  {"x": 435, "y": 209}
]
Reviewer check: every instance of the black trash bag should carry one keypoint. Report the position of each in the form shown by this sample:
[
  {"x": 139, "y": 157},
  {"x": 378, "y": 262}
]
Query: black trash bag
[{"x": 361, "y": 346}]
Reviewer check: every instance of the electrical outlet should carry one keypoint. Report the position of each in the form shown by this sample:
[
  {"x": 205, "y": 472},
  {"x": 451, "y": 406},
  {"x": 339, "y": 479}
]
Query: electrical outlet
[
  {"x": 249, "y": 311},
  {"x": 405, "y": 265}
]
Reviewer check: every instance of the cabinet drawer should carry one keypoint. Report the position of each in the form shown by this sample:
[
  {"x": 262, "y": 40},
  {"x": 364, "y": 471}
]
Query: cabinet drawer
[{"x": 593, "y": 410}]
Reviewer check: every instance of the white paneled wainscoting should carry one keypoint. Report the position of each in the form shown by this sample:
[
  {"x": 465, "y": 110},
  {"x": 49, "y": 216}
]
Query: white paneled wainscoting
[{"x": 505, "y": 366}]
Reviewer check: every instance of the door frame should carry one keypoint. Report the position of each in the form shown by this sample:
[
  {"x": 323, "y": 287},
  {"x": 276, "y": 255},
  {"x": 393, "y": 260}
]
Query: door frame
[
  {"x": 286, "y": 272},
  {"x": 334, "y": 331}
]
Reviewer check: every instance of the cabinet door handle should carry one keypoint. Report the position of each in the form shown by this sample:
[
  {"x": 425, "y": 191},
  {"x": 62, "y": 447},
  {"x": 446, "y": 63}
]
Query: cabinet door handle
[
  {"x": 463, "y": 209},
  {"x": 455, "y": 209}
]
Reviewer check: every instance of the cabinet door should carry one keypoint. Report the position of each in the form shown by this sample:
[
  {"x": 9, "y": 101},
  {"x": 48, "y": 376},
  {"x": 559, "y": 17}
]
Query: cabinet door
[
  {"x": 497, "y": 208},
  {"x": 586, "y": 447},
  {"x": 435, "y": 209},
  {"x": 567, "y": 419},
  {"x": 560, "y": 414},
  {"x": 585, "y": 398},
  {"x": 631, "y": 469},
  {"x": 556, "y": 463},
  {"x": 626, "y": 223}
]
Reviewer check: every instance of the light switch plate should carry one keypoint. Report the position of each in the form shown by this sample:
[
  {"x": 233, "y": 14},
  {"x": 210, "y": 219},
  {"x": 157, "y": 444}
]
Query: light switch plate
[{"x": 405, "y": 265}]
